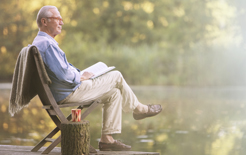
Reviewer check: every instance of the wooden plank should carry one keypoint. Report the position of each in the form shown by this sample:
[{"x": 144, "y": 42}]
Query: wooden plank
[
  {"x": 26, "y": 150},
  {"x": 83, "y": 104},
  {"x": 51, "y": 112},
  {"x": 47, "y": 107},
  {"x": 125, "y": 153},
  {"x": 49, "y": 139}
]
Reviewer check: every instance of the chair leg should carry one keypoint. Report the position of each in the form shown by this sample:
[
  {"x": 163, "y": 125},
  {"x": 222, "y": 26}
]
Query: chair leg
[
  {"x": 58, "y": 140},
  {"x": 53, "y": 132},
  {"x": 52, "y": 145},
  {"x": 43, "y": 141}
]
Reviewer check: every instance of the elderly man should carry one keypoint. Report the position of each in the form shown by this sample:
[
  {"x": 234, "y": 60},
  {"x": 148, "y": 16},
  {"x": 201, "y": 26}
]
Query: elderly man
[{"x": 68, "y": 86}]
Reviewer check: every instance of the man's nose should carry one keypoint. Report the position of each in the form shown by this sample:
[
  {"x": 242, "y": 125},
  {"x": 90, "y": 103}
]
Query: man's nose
[{"x": 61, "y": 22}]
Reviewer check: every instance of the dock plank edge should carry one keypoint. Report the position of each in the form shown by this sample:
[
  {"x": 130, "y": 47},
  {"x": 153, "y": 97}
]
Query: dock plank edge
[{"x": 26, "y": 150}]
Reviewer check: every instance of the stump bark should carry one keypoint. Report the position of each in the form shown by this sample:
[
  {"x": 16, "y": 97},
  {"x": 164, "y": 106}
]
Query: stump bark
[{"x": 75, "y": 138}]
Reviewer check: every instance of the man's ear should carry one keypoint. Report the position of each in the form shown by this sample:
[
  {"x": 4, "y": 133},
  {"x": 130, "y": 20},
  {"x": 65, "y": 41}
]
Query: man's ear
[{"x": 44, "y": 21}]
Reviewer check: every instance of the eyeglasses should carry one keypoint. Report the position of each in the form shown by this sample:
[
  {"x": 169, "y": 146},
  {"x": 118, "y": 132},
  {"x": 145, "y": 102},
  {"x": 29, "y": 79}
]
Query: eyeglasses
[{"x": 58, "y": 18}]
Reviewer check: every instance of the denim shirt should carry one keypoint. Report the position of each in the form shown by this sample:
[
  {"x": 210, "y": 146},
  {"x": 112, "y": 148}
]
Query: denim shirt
[{"x": 64, "y": 76}]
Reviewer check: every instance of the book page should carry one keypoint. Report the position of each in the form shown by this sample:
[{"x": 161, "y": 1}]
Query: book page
[
  {"x": 97, "y": 69},
  {"x": 103, "y": 72}
]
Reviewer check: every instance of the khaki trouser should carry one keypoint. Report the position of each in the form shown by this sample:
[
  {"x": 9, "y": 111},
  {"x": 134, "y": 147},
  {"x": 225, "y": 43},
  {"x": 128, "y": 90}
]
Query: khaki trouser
[{"x": 116, "y": 96}]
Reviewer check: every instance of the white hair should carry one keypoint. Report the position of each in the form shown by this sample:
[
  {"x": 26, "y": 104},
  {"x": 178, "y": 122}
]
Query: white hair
[{"x": 44, "y": 12}]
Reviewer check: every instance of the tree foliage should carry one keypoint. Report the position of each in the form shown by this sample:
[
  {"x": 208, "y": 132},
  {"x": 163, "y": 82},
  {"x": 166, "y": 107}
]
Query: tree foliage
[{"x": 147, "y": 40}]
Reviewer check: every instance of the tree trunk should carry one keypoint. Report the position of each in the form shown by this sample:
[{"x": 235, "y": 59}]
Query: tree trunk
[{"x": 75, "y": 138}]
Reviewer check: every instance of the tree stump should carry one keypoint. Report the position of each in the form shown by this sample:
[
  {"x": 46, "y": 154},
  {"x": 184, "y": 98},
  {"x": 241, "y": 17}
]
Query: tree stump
[{"x": 75, "y": 138}]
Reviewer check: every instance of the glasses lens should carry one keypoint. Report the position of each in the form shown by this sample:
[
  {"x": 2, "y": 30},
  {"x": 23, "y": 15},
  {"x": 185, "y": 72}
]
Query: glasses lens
[{"x": 57, "y": 18}]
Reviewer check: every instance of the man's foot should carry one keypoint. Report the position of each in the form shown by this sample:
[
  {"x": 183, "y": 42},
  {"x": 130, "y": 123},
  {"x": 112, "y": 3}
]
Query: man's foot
[
  {"x": 152, "y": 111},
  {"x": 92, "y": 149},
  {"x": 116, "y": 146}
]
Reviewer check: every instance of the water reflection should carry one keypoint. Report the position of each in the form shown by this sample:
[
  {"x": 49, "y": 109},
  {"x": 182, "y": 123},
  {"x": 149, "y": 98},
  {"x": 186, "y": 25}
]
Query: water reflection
[{"x": 202, "y": 121}]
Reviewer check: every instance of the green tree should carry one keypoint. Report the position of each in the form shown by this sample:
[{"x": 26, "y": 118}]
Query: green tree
[
  {"x": 134, "y": 35},
  {"x": 140, "y": 21}
]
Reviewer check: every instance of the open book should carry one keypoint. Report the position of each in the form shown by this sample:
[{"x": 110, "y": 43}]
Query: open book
[{"x": 97, "y": 69}]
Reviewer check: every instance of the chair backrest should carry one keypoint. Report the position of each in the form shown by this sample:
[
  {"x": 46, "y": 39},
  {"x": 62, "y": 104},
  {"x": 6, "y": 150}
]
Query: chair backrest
[{"x": 42, "y": 86}]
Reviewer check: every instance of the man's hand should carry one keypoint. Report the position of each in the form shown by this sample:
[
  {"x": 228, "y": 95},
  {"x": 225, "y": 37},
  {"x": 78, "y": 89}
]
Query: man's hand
[{"x": 86, "y": 76}]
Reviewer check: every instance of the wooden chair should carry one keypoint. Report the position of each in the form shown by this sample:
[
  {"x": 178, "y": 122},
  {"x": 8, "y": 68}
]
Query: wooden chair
[{"x": 51, "y": 106}]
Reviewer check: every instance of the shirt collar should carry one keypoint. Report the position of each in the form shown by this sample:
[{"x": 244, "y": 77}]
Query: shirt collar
[{"x": 41, "y": 33}]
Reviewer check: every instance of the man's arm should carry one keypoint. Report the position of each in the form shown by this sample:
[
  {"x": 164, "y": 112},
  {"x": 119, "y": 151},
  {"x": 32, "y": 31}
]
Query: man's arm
[{"x": 56, "y": 61}]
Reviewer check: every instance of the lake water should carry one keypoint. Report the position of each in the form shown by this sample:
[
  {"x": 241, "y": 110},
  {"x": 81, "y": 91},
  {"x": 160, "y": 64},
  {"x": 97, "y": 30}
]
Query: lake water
[{"x": 199, "y": 121}]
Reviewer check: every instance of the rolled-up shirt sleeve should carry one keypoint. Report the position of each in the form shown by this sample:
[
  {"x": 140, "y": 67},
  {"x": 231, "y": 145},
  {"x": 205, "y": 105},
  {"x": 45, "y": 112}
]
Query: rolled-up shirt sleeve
[{"x": 56, "y": 61}]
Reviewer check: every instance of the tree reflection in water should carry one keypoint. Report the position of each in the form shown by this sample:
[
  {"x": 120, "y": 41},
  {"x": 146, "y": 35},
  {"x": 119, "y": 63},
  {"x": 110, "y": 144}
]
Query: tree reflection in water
[{"x": 201, "y": 121}]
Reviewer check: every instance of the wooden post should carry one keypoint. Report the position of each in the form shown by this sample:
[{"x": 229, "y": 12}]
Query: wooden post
[{"x": 75, "y": 138}]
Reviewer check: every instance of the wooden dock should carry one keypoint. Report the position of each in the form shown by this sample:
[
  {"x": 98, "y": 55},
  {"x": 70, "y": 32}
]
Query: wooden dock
[{"x": 25, "y": 150}]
